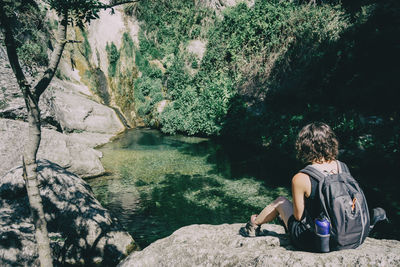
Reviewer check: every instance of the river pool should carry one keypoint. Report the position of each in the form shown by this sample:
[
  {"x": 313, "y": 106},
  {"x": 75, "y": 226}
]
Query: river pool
[{"x": 156, "y": 184}]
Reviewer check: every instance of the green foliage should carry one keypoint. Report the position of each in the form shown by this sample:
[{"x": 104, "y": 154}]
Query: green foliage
[
  {"x": 79, "y": 11},
  {"x": 148, "y": 47},
  {"x": 130, "y": 9},
  {"x": 86, "y": 49},
  {"x": 113, "y": 56},
  {"x": 242, "y": 46},
  {"x": 128, "y": 46},
  {"x": 167, "y": 28},
  {"x": 29, "y": 29},
  {"x": 148, "y": 86},
  {"x": 32, "y": 53},
  {"x": 168, "y": 23},
  {"x": 147, "y": 93},
  {"x": 198, "y": 109}
]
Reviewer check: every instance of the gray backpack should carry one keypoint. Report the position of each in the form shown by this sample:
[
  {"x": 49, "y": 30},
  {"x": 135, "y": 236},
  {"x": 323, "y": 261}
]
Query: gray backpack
[{"x": 344, "y": 204}]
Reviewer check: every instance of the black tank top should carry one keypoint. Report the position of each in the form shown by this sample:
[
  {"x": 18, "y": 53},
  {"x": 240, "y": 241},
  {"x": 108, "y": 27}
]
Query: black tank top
[{"x": 312, "y": 203}]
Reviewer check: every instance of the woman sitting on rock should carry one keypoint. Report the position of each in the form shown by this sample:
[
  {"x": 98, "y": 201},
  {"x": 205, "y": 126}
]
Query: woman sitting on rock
[{"x": 316, "y": 145}]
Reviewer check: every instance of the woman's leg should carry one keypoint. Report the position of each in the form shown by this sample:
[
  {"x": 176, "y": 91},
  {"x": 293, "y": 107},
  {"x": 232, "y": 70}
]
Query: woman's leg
[{"x": 280, "y": 206}]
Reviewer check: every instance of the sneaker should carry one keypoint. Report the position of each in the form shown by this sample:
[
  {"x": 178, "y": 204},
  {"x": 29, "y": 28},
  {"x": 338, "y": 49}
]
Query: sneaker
[
  {"x": 250, "y": 230},
  {"x": 378, "y": 215}
]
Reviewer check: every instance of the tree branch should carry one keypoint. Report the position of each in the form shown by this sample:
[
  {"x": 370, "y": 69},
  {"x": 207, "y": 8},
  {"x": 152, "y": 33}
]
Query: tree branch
[
  {"x": 48, "y": 75},
  {"x": 117, "y": 4},
  {"x": 73, "y": 42}
]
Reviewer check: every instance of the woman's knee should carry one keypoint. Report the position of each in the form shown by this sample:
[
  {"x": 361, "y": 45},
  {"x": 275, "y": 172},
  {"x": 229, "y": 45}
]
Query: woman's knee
[
  {"x": 285, "y": 208},
  {"x": 283, "y": 205},
  {"x": 282, "y": 201}
]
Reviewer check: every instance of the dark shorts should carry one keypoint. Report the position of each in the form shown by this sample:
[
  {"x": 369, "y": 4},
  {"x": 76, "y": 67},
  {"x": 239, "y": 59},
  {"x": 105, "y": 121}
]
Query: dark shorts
[{"x": 301, "y": 237}]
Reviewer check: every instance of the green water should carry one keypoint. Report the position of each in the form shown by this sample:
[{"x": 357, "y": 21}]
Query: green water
[{"x": 157, "y": 184}]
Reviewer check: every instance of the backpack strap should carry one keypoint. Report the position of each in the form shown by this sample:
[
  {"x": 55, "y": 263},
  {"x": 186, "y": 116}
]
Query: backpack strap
[
  {"x": 314, "y": 173},
  {"x": 320, "y": 177},
  {"x": 344, "y": 167}
]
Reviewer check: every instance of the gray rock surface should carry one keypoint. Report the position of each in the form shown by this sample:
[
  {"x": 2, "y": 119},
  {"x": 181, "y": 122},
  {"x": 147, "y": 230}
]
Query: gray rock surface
[
  {"x": 80, "y": 229},
  {"x": 12, "y": 103},
  {"x": 221, "y": 245},
  {"x": 68, "y": 105},
  {"x": 71, "y": 152}
]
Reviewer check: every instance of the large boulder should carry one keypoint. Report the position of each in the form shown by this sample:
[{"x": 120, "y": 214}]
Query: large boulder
[
  {"x": 68, "y": 104},
  {"x": 81, "y": 230},
  {"x": 221, "y": 245},
  {"x": 71, "y": 152}
]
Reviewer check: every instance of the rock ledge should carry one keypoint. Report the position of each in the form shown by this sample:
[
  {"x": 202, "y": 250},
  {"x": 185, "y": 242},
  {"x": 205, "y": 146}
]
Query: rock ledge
[{"x": 221, "y": 245}]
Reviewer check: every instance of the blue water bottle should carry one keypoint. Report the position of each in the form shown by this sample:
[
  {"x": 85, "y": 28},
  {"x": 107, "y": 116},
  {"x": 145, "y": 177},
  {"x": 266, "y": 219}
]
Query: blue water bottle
[{"x": 322, "y": 230}]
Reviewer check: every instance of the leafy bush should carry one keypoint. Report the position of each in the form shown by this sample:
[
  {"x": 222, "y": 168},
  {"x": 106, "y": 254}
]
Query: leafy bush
[
  {"x": 86, "y": 49},
  {"x": 113, "y": 56},
  {"x": 32, "y": 53},
  {"x": 29, "y": 31}
]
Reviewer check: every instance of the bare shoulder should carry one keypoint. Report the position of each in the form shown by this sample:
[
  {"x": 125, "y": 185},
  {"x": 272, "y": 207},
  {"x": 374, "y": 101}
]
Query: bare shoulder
[
  {"x": 301, "y": 183},
  {"x": 301, "y": 179}
]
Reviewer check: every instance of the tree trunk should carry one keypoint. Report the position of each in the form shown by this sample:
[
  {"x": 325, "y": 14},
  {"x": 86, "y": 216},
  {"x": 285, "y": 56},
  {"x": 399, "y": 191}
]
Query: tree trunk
[
  {"x": 32, "y": 184},
  {"x": 31, "y": 145}
]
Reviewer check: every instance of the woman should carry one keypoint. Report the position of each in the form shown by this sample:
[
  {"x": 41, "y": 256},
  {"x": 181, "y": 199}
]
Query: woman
[{"x": 316, "y": 144}]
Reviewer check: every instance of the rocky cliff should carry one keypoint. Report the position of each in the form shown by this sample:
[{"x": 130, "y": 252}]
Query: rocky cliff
[
  {"x": 104, "y": 61},
  {"x": 221, "y": 245}
]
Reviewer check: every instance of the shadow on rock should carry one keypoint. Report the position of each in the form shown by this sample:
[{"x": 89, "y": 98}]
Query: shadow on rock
[{"x": 81, "y": 231}]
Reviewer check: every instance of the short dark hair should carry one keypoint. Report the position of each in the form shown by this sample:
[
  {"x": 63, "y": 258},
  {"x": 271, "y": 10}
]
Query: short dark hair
[{"x": 317, "y": 142}]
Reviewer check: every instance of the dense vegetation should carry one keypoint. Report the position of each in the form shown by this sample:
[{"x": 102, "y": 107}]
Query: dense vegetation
[
  {"x": 271, "y": 68},
  {"x": 30, "y": 30}
]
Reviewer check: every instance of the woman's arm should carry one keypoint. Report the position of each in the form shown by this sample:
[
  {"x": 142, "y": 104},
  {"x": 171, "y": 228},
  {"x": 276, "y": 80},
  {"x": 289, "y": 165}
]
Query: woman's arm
[{"x": 301, "y": 186}]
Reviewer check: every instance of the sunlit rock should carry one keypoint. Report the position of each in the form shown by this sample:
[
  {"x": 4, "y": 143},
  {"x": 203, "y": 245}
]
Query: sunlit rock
[
  {"x": 72, "y": 152},
  {"x": 75, "y": 112},
  {"x": 197, "y": 47},
  {"x": 221, "y": 245}
]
